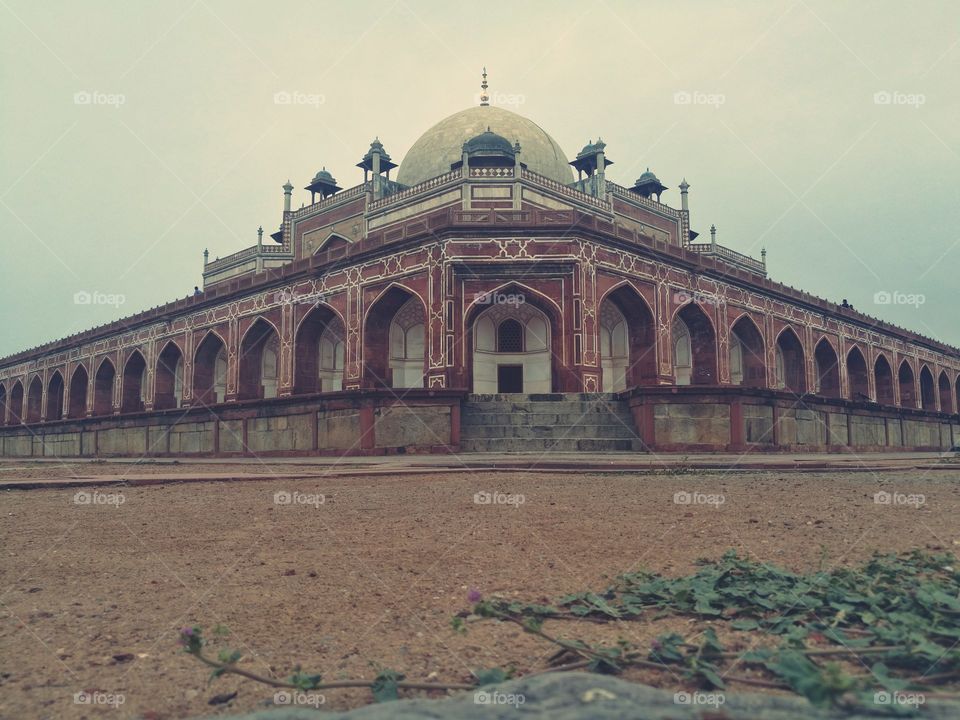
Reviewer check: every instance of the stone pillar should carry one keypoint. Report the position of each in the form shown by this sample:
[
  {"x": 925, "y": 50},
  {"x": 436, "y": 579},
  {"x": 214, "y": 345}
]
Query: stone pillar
[
  {"x": 233, "y": 360},
  {"x": 287, "y": 196},
  {"x": 287, "y": 324},
  {"x": 663, "y": 317}
]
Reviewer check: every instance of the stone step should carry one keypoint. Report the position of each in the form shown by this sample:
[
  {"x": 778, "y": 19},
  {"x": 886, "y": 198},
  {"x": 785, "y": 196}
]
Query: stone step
[
  {"x": 541, "y": 397},
  {"x": 520, "y": 419},
  {"x": 611, "y": 431},
  {"x": 564, "y": 406},
  {"x": 528, "y": 445}
]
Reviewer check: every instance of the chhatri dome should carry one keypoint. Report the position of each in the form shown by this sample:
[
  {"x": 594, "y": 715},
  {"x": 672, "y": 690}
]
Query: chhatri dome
[{"x": 442, "y": 145}]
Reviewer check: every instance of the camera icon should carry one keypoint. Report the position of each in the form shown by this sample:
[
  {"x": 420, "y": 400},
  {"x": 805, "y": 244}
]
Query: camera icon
[
  {"x": 882, "y": 697},
  {"x": 82, "y": 498},
  {"x": 481, "y": 697},
  {"x": 82, "y": 698},
  {"x": 282, "y": 98},
  {"x": 682, "y": 698},
  {"x": 682, "y": 498},
  {"x": 82, "y": 298},
  {"x": 282, "y": 497},
  {"x": 682, "y": 98},
  {"x": 681, "y": 297},
  {"x": 882, "y": 498},
  {"x": 282, "y": 697},
  {"x": 82, "y": 98},
  {"x": 883, "y": 97},
  {"x": 483, "y": 498},
  {"x": 483, "y": 298},
  {"x": 882, "y": 297}
]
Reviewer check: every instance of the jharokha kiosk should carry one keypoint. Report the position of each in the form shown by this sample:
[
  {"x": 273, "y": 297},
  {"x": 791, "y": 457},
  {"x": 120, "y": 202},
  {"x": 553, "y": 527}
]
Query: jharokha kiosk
[{"x": 489, "y": 292}]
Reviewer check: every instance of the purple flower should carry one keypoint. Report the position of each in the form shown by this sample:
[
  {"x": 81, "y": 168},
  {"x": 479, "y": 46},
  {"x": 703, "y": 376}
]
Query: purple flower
[{"x": 474, "y": 595}]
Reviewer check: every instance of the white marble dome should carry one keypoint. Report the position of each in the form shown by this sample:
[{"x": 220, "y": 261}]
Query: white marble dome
[{"x": 442, "y": 145}]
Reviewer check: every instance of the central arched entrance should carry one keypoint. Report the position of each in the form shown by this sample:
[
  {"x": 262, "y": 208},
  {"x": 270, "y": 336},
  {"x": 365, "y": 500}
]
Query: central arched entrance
[{"x": 511, "y": 350}]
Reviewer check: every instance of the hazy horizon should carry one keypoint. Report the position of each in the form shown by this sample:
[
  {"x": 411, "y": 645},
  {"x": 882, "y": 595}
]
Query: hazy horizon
[{"x": 132, "y": 141}]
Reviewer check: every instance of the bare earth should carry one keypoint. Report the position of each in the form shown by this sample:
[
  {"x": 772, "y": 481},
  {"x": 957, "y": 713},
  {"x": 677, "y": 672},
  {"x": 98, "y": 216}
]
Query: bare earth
[{"x": 372, "y": 576}]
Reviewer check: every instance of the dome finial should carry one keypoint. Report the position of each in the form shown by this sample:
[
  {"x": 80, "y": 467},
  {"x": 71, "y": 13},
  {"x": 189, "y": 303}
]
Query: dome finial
[{"x": 484, "y": 98}]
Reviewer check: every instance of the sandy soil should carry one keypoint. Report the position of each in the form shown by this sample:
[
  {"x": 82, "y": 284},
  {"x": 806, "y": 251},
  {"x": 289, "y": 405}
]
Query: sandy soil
[{"x": 372, "y": 576}]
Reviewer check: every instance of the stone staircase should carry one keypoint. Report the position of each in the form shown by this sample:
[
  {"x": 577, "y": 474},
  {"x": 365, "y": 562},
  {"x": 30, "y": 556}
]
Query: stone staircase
[{"x": 571, "y": 422}]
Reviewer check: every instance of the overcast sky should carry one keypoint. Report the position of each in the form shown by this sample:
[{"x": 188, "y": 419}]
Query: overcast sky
[{"x": 134, "y": 135}]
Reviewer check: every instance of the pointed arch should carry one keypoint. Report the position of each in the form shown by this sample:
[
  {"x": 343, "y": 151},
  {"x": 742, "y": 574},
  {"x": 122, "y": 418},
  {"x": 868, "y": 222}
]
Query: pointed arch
[
  {"x": 133, "y": 383},
  {"x": 827, "y": 369},
  {"x": 858, "y": 383},
  {"x": 34, "y": 399},
  {"x": 928, "y": 395},
  {"x": 103, "y": 388},
  {"x": 3, "y": 403},
  {"x": 394, "y": 340},
  {"x": 319, "y": 346},
  {"x": 210, "y": 370},
  {"x": 55, "y": 394},
  {"x": 635, "y": 342},
  {"x": 168, "y": 380},
  {"x": 883, "y": 380},
  {"x": 945, "y": 392},
  {"x": 16, "y": 403},
  {"x": 791, "y": 364},
  {"x": 79, "y": 382},
  {"x": 956, "y": 395},
  {"x": 333, "y": 241},
  {"x": 259, "y": 361},
  {"x": 748, "y": 365},
  {"x": 695, "y": 342},
  {"x": 908, "y": 393}
]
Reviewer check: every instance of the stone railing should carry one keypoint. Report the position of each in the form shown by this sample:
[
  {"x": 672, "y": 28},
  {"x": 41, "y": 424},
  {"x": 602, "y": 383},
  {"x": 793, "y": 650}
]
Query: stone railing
[
  {"x": 622, "y": 192},
  {"x": 425, "y": 186},
  {"x": 491, "y": 172},
  {"x": 343, "y": 195},
  {"x": 570, "y": 192},
  {"x": 728, "y": 255}
]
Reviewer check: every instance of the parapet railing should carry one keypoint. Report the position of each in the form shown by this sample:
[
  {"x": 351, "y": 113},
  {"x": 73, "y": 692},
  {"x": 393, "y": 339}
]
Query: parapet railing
[{"x": 729, "y": 255}]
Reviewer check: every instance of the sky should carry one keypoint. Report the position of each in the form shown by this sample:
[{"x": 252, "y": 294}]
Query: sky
[{"x": 134, "y": 135}]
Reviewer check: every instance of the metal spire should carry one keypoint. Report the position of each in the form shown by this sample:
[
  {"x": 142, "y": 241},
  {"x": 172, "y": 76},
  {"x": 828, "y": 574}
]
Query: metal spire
[{"x": 484, "y": 98}]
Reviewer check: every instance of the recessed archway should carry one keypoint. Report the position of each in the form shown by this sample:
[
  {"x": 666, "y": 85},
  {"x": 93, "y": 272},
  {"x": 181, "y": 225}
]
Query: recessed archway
[
  {"x": 16, "y": 403},
  {"x": 511, "y": 350},
  {"x": 34, "y": 399},
  {"x": 259, "y": 362},
  {"x": 946, "y": 396},
  {"x": 133, "y": 385},
  {"x": 747, "y": 364},
  {"x": 858, "y": 382},
  {"x": 103, "y": 388},
  {"x": 883, "y": 378},
  {"x": 168, "y": 386},
  {"x": 791, "y": 368},
  {"x": 3, "y": 404},
  {"x": 628, "y": 353},
  {"x": 55, "y": 390},
  {"x": 908, "y": 393},
  {"x": 928, "y": 394},
  {"x": 394, "y": 341},
  {"x": 827, "y": 369},
  {"x": 210, "y": 371},
  {"x": 694, "y": 347},
  {"x": 319, "y": 352},
  {"x": 78, "y": 393}
]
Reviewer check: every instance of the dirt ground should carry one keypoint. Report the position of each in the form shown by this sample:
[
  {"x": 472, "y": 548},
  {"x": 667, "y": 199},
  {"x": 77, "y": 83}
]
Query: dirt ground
[{"x": 372, "y": 576}]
